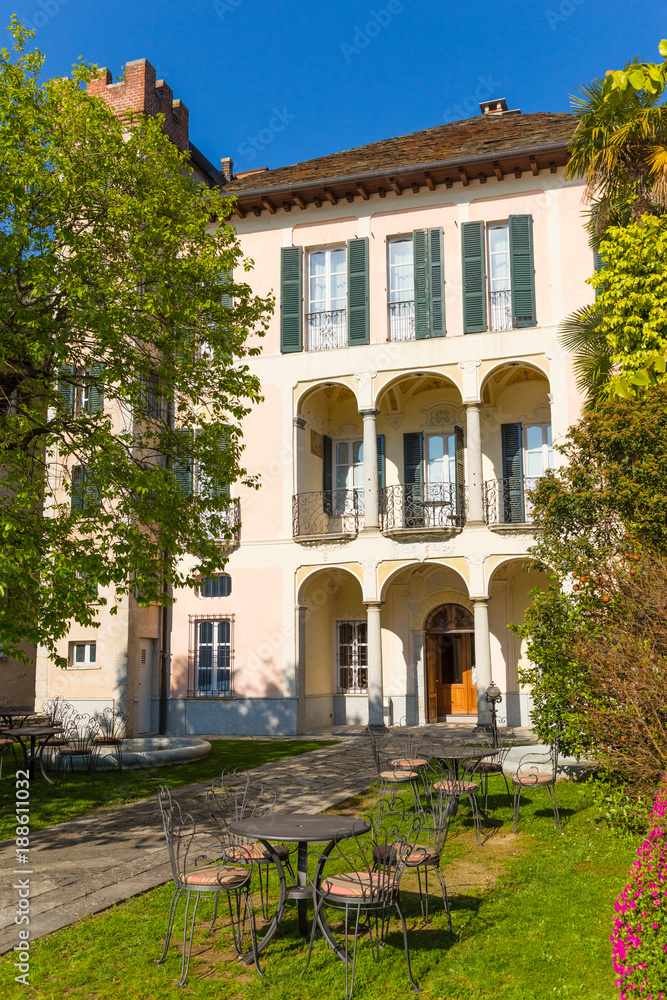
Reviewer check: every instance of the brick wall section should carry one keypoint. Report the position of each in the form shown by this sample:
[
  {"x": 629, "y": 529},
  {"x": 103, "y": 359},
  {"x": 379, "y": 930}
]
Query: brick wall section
[{"x": 141, "y": 93}]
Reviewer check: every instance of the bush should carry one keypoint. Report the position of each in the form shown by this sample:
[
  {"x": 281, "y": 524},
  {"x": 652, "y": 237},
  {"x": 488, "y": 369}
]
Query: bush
[{"x": 640, "y": 931}]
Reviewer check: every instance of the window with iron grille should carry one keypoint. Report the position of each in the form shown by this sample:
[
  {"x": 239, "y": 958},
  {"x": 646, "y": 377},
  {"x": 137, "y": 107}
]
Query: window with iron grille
[
  {"x": 211, "y": 659},
  {"x": 352, "y": 657},
  {"x": 218, "y": 585}
]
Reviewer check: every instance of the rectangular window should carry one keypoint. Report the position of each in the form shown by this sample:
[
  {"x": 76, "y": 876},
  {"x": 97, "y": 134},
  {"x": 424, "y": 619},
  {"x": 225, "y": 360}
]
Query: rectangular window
[
  {"x": 352, "y": 646},
  {"x": 326, "y": 312},
  {"x": 84, "y": 493},
  {"x": 211, "y": 657},
  {"x": 348, "y": 475},
  {"x": 83, "y": 654},
  {"x": 219, "y": 585},
  {"x": 500, "y": 288},
  {"x": 401, "y": 288}
]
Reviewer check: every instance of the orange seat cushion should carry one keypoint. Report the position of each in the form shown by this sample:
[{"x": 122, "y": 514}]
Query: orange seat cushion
[
  {"x": 528, "y": 780},
  {"x": 412, "y": 854},
  {"x": 398, "y": 775},
  {"x": 214, "y": 875},
  {"x": 457, "y": 787},
  {"x": 409, "y": 762},
  {"x": 355, "y": 885},
  {"x": 255, "y": 852}
]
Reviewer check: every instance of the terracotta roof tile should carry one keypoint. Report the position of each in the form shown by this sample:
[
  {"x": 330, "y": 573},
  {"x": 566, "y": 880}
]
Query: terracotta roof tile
[{"x": 483, "y": 135}]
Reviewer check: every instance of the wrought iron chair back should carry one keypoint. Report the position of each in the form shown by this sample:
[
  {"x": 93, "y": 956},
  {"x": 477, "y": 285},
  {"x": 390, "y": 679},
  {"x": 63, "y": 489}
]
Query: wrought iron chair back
[
  {"x": 451, "y": 780},
  {"x": 79, "y": 732},
  {"x": 536, "y": 770},
  {"x": 193, "y": 878},
  {"x": 362, "y": 877},
  {"x": 394, "y": 772},
  {"x": 110, "y": 730}
]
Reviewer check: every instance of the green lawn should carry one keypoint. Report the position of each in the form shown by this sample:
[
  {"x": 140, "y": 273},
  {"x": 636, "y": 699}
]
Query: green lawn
[
  {"x": 54, "y": 804},
  {"x": 533, "y": 913}
]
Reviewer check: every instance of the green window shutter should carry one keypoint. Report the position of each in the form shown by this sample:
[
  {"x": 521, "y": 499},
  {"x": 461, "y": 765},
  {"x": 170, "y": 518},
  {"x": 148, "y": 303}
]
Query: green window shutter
[
  {"x": 358, "y": 325},
  {"x": 95, "y": 392},
  {"x": 225, "y": 298},
  {"x": 522, "y": 271},
  {"x": 327, "y": 473},
  {"x": 66, "y": 388},
  {"x": 511, "y": 494},
  {"x": 420, "y": 259},
  {"x": 183, "y": 461},
  {"x": 413, "y": 475},
  {"x": 436, "y": 255},
  {"x": 78, "y": 487},
  {"x": 474, "y": 277},
  {"x": 459, "y": 499},
  {"x": 381, "y": 462},
  {"x": 291, "y": 299}
]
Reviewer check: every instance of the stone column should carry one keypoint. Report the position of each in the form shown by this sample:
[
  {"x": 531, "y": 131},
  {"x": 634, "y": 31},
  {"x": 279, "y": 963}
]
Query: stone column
[
  {"x": 375, "y": 687},
  {"x": 300, "y": 615},
  {"x": 371, "y": 505},
  {"x": 482, "y": 657},
  {"x": 475, "y": 481}
]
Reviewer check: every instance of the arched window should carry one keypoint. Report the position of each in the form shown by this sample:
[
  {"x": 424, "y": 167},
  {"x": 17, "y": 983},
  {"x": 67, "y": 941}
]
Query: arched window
[{"x": 450, "y": 618}]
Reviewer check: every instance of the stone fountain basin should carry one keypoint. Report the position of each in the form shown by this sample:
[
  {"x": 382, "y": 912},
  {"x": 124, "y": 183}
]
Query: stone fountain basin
[{"x": 155, "y": 751}]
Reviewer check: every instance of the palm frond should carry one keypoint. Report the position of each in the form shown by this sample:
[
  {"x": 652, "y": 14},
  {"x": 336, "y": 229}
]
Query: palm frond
[{"x": 591, "y": 355}]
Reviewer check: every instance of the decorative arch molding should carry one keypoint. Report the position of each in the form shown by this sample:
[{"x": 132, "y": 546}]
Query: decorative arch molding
[
  {"x": 393, "y": 381},
  {"x": 434, "y": 601},
  {"x": 303, "y": 391},
  {"x": 305, "y": 575},
  {"x": 490, "y": 369},
  {"x": 429, "y": 569}
]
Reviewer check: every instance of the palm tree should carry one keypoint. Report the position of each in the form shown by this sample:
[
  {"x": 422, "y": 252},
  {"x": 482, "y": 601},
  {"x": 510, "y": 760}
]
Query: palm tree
[{"x": 620, "y": 147}]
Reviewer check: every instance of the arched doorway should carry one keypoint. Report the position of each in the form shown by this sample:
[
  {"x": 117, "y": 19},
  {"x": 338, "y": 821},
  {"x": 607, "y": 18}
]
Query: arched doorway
[{"x": 450, "y": 654}]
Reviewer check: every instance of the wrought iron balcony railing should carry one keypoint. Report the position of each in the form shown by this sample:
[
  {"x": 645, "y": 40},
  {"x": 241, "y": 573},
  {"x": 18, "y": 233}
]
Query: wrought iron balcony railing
[
  {"x": 327, "y": 512},
  {"x": 232, "y": 518},
  {"x": 501, "y": 310},
  {"x": 507, "y": 501},
  {"x": 402, "y": 320},
  {"x": 423, "y": 505},
  {"x": 326, "y": 330}
]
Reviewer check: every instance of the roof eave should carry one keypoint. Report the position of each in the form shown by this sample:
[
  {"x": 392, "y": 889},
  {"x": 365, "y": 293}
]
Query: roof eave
[{"x": 459, "y": 161}]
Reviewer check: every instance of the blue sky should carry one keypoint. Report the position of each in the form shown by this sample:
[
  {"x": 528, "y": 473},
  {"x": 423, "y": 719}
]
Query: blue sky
[{"x": 272, "y": 83}]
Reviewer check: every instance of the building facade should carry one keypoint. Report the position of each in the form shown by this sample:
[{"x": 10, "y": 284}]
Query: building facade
[{"x": 414, "y": 388}]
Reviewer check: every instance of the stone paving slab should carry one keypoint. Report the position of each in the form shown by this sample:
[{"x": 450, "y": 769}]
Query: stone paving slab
[{"x": 88, "y": 864}]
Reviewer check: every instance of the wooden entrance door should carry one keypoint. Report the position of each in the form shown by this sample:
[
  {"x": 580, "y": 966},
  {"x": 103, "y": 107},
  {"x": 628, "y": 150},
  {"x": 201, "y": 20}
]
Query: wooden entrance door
[{"x": 449, "y": 661}]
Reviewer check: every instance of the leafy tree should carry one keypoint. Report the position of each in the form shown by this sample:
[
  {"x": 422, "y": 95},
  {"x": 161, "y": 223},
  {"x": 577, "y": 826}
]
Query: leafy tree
[
  {"x": 122, "y": 341},
  {"x": 593, "y": 515}
]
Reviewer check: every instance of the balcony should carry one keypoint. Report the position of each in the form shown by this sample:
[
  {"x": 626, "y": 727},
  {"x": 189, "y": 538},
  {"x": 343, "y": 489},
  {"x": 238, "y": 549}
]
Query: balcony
[
  {"x": 232, "y": 518},
  {"x": 327, "y": 514},
  {"x": 425, "y": 508},
  {"x": 326, "y": 330},
  {"x": 402, "y": 320},
  {"x": 501, "y": 310},
  {"x": 506, "y": 501}
]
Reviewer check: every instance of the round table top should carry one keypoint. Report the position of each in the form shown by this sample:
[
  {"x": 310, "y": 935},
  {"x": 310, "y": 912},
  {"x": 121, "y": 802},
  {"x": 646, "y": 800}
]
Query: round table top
[
  {"x": 300, "y": 827},
  {"x": 463, "y": 753},
  {"x": 33, "y": 731}
]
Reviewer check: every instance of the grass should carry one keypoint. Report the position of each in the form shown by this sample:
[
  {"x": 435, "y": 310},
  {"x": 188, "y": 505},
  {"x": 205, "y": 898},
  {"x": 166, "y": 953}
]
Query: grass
[
  {"x": 533, "y": 912},
  {"x": 53, "y": 804}
]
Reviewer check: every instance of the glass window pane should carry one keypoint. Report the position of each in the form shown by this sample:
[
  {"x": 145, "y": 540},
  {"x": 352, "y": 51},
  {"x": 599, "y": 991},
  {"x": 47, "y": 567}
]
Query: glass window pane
[
  {"x": 338, "y": 260},
  {"x": 206, "y": 632},
  {"x": 357, "y": 452},
  {"x": 499, "y": 239},
  {"x": 80, "y": 654},
  {"x": 93, "y": 652},
  {"x": 534, "y": 437},
  {"x": 317, "y": 262},
  {"x": 341, "y": 453},
  {"x": 435, "y": 446},
  {"x": 400, "y": 252}
]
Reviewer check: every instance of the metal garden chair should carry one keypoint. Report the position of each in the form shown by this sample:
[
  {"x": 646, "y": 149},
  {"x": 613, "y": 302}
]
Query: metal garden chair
[
  {"x": 234, "y": 796},
  {"x": 391, "y": 775},
  {"x": 209, "y": 880},
  {"x": 365, "y": 883},
  {"x": 453, "y": 781},
  {"x": 5, "y": 746},
  {"x": 489, "y": 766},
  {"x": 80, "y": 746},
  {"x": 110, "y": 730},
  {"x": 537, "y": 771}
]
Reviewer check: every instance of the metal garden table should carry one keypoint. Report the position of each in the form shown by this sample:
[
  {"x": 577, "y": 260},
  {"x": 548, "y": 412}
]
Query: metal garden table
[
  {"x": 300, "y": 829},
  {"x": 33, "y": 753}
]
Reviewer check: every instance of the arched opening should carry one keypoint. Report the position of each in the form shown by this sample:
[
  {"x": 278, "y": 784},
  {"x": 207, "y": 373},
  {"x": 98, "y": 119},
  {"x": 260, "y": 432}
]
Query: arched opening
[{"x": 450, "y": 657}]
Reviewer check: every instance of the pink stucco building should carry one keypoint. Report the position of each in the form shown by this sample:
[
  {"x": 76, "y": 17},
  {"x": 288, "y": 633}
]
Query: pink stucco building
[{"x": 414, "y": 388}]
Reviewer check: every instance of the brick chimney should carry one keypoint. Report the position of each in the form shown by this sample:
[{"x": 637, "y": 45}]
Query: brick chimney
[{"x": 142, "y": 94}]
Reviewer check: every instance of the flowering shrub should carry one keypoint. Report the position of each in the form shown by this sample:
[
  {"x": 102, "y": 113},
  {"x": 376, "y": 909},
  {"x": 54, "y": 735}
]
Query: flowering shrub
[{"x": 639, "y": 938}]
